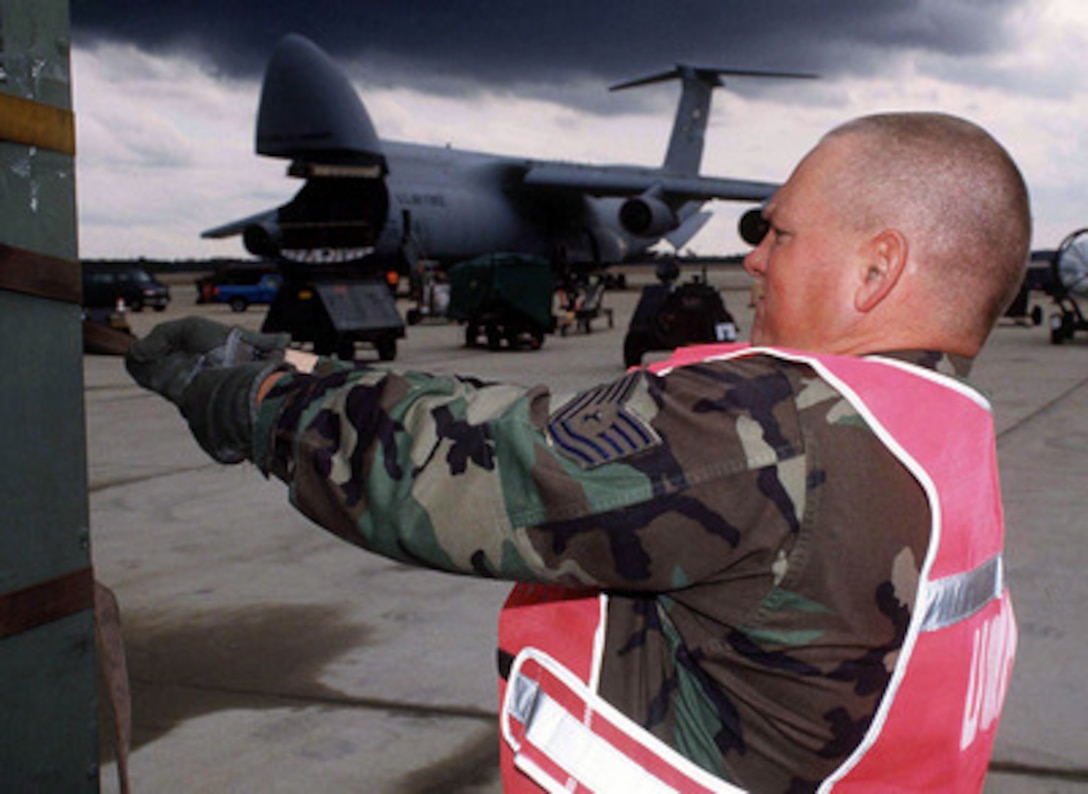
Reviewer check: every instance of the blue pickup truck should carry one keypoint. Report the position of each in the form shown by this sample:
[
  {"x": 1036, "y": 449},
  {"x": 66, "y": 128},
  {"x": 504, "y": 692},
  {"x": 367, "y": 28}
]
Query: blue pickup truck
[{"x": 240, "y": 293}]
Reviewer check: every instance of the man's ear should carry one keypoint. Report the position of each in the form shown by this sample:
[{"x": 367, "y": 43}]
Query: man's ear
[{"x": 885, "y": 261}]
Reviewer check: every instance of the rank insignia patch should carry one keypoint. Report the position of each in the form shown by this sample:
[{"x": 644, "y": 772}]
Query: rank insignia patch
[{"x": 600, "y": 426}]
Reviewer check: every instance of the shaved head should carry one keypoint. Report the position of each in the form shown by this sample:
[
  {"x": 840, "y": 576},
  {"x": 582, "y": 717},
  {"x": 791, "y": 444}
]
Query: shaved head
[{"x": 957, "y": 195}]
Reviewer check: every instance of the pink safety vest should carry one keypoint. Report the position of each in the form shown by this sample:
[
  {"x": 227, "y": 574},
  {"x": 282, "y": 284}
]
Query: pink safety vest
[{"x": 935, "y": 726}]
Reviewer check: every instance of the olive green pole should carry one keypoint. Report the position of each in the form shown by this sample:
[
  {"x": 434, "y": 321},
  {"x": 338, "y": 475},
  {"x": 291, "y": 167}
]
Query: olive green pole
[{"x": 48, "y": 724}]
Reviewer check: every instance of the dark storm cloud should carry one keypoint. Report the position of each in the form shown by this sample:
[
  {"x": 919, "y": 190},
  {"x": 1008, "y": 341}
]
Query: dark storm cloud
[{"x": 535, "y": 45}]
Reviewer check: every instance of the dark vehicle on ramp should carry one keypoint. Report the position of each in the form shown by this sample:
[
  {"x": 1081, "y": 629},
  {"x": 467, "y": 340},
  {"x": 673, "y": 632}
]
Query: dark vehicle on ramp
[
  {"x": 505, "y": 297},
  {"x": 669, "y": 316},
  {"x": 333, "y": 312},
  {"x": 105, "y": 283}
]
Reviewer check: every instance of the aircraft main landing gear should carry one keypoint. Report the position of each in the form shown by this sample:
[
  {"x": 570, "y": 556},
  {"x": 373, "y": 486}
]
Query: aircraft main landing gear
[{"x": 1070, "y": 271}]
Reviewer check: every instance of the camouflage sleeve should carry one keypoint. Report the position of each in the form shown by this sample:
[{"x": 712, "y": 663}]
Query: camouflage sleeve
[{"x": 493, "y": 480}]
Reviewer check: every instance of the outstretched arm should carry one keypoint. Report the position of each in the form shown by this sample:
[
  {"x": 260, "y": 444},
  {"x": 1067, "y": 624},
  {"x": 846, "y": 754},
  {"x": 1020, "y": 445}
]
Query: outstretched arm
[{"x": 630, "y": 486}]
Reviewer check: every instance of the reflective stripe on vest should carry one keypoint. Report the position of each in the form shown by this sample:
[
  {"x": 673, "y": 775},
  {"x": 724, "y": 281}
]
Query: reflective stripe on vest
[
  {"x": 949, "y": 681},
  {"x": 959, "y": 596},
  {"x": 569, "y": 740}
]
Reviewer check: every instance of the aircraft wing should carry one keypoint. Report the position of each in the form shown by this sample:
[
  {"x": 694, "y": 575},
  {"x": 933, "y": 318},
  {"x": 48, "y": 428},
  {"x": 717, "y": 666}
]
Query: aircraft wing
[
  {"x": 239, "y": 226},
  {"x": 631, "y": 180}
]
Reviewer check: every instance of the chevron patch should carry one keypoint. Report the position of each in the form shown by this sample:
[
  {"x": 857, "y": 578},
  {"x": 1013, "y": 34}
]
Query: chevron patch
[{"x": 599, "y": 426}]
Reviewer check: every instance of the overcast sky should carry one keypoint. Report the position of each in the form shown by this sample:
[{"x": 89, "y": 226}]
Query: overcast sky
[{"x": 166, "y": 93}]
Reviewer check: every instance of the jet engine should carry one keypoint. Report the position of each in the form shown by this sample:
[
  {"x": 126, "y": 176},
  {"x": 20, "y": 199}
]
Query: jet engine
[
  {"x": 753, "y": 227},
  {"x": 263, "y": 238},
  {"x": 647, "y": 216}
]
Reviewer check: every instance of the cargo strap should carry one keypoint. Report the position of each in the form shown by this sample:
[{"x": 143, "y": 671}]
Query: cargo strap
[
  {"x": 62, "y": 597},
  {"x": 37, "y": 274},
  {"x": 37, "y": 124},
  {"x": 46, "y": 602}
]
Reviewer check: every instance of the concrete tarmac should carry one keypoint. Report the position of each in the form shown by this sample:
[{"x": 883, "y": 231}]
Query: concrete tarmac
[{"x": 267, "y": 656}]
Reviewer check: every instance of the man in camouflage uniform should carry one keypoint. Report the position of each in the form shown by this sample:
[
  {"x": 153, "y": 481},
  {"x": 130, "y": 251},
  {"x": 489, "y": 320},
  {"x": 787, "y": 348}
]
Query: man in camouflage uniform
[{"x": 760, "y": 545}]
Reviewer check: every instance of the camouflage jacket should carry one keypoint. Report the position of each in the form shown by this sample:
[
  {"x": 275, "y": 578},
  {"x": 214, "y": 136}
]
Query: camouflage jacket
[{"x": 760, "y": 545}]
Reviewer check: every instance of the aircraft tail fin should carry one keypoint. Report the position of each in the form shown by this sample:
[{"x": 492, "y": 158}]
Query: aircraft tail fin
[
  {"x": 685, "y": 152},
  {"x": 309, "y": 111}
]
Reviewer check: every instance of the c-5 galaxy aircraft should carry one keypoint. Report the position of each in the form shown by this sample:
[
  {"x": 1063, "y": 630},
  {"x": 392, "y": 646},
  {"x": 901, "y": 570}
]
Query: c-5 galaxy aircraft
[{"x": 400, "y": 203}]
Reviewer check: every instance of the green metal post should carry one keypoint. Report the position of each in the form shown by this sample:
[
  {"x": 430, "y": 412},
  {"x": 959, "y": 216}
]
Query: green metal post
[{"x": 48, "y": 724}]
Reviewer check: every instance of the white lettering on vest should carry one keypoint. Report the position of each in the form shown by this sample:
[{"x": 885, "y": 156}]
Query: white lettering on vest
[{"x": 991, "y": 663}]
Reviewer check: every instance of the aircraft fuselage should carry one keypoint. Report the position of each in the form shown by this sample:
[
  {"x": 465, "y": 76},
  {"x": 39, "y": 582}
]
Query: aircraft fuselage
[{"x": 452, "y": 204}]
